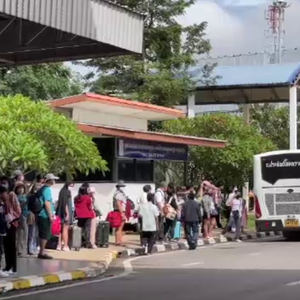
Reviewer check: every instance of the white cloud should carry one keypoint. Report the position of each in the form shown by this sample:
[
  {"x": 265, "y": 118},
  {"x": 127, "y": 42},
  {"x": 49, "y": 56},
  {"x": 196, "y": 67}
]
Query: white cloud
[{"x": 238, "y": 26}]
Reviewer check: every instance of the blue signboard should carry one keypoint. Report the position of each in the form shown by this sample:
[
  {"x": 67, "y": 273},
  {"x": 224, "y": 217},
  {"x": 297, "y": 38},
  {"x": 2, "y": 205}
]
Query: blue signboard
[{"x": 140, "y": 149}]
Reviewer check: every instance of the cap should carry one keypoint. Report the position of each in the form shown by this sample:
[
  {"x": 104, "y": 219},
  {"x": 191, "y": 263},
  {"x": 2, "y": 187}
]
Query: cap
[
  {"x": 51, "y": 176},
  {"x": 121, "y": 183}
]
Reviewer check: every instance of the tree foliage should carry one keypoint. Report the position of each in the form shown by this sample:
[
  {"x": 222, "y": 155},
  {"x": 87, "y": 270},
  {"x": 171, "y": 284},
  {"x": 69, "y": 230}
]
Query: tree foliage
[
  {"x": 40, "y": 82},
  {"x": 273, "y": 123},
  {"x": 230, "y": 165},
  {"x": 161, "y": 75},
  {"x": 34, "y": 137}
]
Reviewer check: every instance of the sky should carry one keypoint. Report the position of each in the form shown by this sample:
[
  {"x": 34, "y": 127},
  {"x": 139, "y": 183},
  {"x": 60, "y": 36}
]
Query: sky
[{"x": 238, "y": 26}]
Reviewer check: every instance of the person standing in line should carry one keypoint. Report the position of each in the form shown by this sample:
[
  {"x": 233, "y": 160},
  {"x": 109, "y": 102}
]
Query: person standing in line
[
  {"x": 22, "y": 230},
  {"x": 149, "y": 214},
  {"x": 85, "y": 213},
  {"x": 119, "y": 205},
  {"x": 209, "y": 214},
  {"x": 191, "y": 217},
  {"x": 228, "y": 205},
  {"x": 218, "y": 203},
  {"x": 33, "y": 239},
  {"x": 236, "y": 205},
  {"x": 64, "y": 211},
  {"x": 3, "y": 225},
  {"x": 45, "y": 217},
  {"x": 140, "y": 201},
  {"x": 13, "y": 213},
  {"x": 159, "y": 200},
  {"x": 170, "y": 218}
]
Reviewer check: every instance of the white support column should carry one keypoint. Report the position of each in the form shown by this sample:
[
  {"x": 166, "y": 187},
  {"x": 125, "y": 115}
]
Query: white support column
[
  {"x": 293, "y": 118},
  {"x": 246, "y": 117},
  {"x": 191, "y": 106}
]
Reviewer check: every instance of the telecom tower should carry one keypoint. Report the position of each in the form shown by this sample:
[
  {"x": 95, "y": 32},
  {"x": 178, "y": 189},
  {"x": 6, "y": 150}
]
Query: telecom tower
[{"x": 275, "y": 17}]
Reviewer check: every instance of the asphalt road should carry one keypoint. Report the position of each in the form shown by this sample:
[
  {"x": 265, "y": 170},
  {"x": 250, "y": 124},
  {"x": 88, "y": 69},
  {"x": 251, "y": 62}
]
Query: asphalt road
[{"x": 260, "y": 270}]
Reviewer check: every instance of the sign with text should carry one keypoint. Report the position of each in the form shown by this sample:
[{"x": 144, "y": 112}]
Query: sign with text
[
  {"x": 280, "y": 166},
  {"x": 139, "y": 149}
]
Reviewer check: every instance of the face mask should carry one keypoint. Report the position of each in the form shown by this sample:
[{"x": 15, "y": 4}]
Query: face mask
[
  {"x": 70, "y": 188},
  {"x": 121, "y": 189}
]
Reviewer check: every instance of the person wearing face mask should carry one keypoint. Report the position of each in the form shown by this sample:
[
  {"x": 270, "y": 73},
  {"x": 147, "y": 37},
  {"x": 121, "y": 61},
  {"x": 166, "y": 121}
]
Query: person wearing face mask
[
  {"x": 22, "y": 230},
  {"x": 64, "y": 211},
  {"x": 119, "y": 205}
]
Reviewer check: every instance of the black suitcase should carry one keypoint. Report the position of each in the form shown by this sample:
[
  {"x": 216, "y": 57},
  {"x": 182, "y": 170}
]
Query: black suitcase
[
  {"x": 52, "y": 243},
  {"x": 102, "y": 234},
  {"x": 75, "y": 238}
]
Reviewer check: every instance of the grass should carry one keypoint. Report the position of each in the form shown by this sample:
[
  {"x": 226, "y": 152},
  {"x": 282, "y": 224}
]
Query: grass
[{"x": 251, "y": 222}]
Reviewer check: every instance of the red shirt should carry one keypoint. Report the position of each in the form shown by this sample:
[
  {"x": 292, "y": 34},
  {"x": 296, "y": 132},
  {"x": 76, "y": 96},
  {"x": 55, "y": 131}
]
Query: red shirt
[{"x": 84, "y": 207}]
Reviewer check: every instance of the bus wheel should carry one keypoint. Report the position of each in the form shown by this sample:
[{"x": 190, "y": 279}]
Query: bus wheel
[{"x": 292, "y": 236}]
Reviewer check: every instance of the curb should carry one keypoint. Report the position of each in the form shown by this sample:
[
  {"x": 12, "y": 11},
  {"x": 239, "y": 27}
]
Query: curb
[
  {"x": 28, "y": 282},
  {"x": 183, "y": 245}
]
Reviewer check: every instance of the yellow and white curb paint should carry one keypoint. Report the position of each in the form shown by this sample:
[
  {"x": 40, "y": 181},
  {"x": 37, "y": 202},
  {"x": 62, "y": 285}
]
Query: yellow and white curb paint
[{"x": 27, "y": 282}]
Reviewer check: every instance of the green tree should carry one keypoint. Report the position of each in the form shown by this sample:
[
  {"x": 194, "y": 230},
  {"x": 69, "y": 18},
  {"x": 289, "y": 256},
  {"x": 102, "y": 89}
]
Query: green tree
[
  {"x": 34, "y": 137},
  {"x": 230, "y": 165},
  {"x": 40, "y": 82},
  {"x": 273, "y": 123},
  {"x": 161, "y": 76}
]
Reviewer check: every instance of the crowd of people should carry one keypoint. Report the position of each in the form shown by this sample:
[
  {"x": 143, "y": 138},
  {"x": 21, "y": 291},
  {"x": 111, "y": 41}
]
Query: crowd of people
[
  {"x": 26, "y": 230},
  {"x": 163, "y": 211}
]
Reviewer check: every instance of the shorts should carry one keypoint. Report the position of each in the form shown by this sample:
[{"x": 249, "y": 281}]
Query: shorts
[
  {"x": 44, "y": 227},
  {"x": 205, "y": 217}
]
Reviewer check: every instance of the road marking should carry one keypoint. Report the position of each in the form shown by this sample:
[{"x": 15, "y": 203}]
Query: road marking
[
  {"x": 293, "y": 283},
  {"x": 255, "y": 253},
  {"x": 193, "y": 264},
  {"x": 128, "y": 269}
]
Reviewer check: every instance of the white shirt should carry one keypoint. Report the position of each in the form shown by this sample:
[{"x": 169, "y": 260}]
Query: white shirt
[
  {"x": 159, "y": 197},
  {"x": 237, "y": 204},
  {"x": 142, "y": 199},
  {"x": 149, "y": 212}
]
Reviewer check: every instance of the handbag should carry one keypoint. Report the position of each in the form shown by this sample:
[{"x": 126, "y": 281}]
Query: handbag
[
  {"x": 115, "y": 219},
  {"x": 56, "y": 226},
  {"x": 169, "y": 211}
]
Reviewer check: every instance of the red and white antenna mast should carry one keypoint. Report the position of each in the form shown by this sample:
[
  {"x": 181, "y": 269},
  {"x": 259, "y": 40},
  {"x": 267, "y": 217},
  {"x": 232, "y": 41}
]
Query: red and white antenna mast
[{"x": 275, "y": 16}]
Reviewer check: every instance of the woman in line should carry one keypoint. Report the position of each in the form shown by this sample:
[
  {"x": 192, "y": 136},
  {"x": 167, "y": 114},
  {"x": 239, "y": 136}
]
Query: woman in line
[
  {"x": 85, "y": 214},
  {"x": 64, "y": 211},
  {"x": 22, "y": 230},
  {"x": 209, "y": 213},
  {"x": 3, "y": 225},
  {"x": 13, "y": 213},
  {"x": 236, "y": 205},
  {"x": 119, "y": 206},
  {"x": 33, "y": 239}
]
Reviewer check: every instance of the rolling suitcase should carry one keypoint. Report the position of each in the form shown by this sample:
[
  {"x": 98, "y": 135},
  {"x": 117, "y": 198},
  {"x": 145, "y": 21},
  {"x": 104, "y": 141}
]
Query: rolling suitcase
[
  {"x": 52, "y": 243},
  {"x": 75, "y": 238},
  {"x": 102, "y": 234},
  {"x": 177, "y": 231}
]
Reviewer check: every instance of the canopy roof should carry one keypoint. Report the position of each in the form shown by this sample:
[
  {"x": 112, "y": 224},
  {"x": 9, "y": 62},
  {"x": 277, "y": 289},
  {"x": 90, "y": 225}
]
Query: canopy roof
[
  {"x": 150, "y": 136},
  {"x": 247, "y": 84},
  {"x": 36, "y": 31},
  {"x": 117, "y": 106}
]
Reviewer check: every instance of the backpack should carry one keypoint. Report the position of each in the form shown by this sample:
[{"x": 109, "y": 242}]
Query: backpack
[{"x": 35, "y": 203}]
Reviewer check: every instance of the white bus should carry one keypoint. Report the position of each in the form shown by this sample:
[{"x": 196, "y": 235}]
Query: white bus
[{"x": 277, "y": 188}]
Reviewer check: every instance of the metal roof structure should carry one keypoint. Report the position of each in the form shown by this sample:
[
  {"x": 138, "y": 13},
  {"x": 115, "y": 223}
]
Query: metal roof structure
[
  {"x": 36, "y": 31},
  {"x": 247, "y": 84}
]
